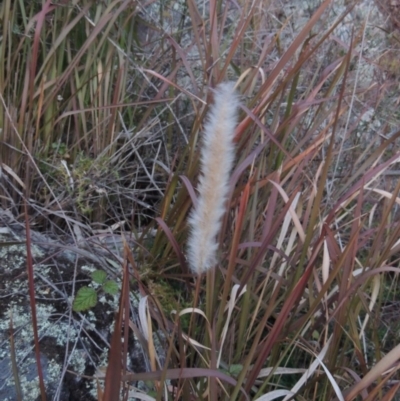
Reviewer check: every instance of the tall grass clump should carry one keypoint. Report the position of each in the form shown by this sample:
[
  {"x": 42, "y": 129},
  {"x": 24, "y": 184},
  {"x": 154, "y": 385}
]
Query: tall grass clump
[
  {"x": 295, "y": 221},
  {"x": 291, "y": 306},
  {"x": 73, "y": 113}
]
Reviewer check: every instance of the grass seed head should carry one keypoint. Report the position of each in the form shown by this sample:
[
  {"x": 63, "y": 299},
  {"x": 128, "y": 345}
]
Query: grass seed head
[{"x": 217, "y": 157}]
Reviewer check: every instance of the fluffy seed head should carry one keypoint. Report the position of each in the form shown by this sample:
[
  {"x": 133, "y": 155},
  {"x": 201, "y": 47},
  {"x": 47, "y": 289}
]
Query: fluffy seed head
[{"x": 217, "y": 157}]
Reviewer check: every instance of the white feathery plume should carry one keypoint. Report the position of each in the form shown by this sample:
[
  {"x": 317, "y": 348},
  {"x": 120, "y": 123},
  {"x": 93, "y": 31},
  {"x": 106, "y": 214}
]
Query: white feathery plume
[{"x": 217, "y": 157}]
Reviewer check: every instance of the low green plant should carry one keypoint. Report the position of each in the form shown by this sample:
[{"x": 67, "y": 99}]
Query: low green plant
[{"x": 86, "y": 297}]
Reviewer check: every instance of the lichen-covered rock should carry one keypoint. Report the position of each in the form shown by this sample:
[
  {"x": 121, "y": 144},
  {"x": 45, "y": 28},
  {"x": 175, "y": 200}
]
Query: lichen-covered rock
[{"x": 73, "y": 346}]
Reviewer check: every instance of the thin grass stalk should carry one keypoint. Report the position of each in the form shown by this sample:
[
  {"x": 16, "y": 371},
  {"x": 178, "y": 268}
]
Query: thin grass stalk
[
  {"x": 32, "y": 301},
  {"x": 254, "y": 263},
  {"x": 333, "y": 276},
  {"x": 170, "y": 116},
  {"x": 193, "y": 316},
  {"x": 171, "y": 78},
  {"x": 378, "y": 254},
  {"x": 118, "y": 97},
  {"x": 245, "y": 307},
  {"x": 288, "y": 111},
  {"x": 170, "y": 211},
  {"x": 281, "y": 320},
  {"x": 338, "y": 329},
  {"x": 324, "y": 175},
  {"x": 392, "y": 393},
  {"x": 240, "y": 32},
  {"x": 14, "y": 364},
  {"x": 265, "y": 244},
  {"x": 213, "y": 51},
  {"x": 211, "y": 300},
  {"x": 198, "y": 30},
  {"x": 349, "y": 264},
  {"x": 232, "y": 256},
  {"x": 50, "y": 112},
  {"x": 251, "y": 356},
  {"x": 114, "y": 374},
  {"x": 23, "y": 114},
  {"x": 179, "y": 223},
  {"x": 5, "y": 10},
  {"x": 212, "y": 382},
  {"x": 176, "y": 333}
]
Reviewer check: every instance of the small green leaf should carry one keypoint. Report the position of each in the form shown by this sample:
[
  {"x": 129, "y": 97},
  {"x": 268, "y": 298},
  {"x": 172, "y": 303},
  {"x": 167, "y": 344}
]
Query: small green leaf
[
  {"x": 315, "y": 335},
  {"x": 235, "y": 369},
  {"x": 99, "y": 276},
  {"x": 110, "y": 287},
  {"x": 85, "y": 299}
]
